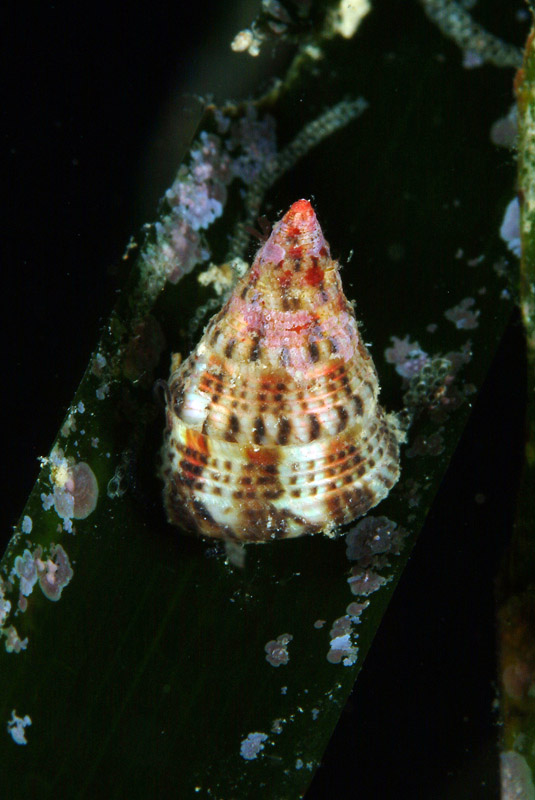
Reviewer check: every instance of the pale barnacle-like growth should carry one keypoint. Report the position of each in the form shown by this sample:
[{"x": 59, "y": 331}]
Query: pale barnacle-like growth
[
  {"x": 504, "y": 131},
  {"x": 408, "y": 356},
  {"x": 26, "y": 570},
  {"x": 5, "y": 605},
  {"x": 54, "y": 573},
  {"x": 342, "y": 648},
  {"x": 27, "y": 524},
  {"x": 277, "y": 650},
  {"x": 510, "y": 227},
  {"x": 195, "y": 199},
  {"x": 198, "y": 195},
  {"x": 14, "y": 644},
  {"x": 345, "y": 18},
  {"x": 371, "y": 536},
  {"x": 83, "y": 486},
  {"x": 369, "y": 544},
  {"x": 75, "y": 493},
  {"x": 463, "y": 316},
  {"x": 251, "y": 746},
  {"x": 273, "y": 425},
  {"x": 253, "y": 144},
  {"x": 16, "y": 725},
  {"x": 516, "y": 776}
]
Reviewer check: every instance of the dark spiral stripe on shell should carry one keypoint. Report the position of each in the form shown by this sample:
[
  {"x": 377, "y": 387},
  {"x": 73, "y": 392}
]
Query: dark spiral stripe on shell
[
  {"x": 254, "y": 353},
  {"x": 315, "y": 427},
  {"x": 313, "y": 351},
  {"x": 259, "y": 430},
  {"x": 343, "y": 418},
  {"x": 284, "y": 430}
]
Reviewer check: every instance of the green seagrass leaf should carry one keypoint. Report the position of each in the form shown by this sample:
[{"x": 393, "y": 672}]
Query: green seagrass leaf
[
  {"x": 516, "y": 580},
  {"x": 151, "y": 658}
]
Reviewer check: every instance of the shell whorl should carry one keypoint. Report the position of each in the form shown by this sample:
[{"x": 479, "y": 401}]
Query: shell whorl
[{"x": 273, "y": 425}]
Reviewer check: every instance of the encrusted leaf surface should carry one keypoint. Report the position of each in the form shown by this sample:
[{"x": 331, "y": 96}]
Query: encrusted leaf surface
[
  {"x": 516, "y": 594},
  {"x": 162, "y": 666}
]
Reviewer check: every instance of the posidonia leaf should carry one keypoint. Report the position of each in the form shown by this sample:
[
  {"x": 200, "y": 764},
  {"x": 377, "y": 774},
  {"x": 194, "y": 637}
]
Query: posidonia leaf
[
  {"x": 158, "y": 658},
  {"x": 516, "y": 595}
]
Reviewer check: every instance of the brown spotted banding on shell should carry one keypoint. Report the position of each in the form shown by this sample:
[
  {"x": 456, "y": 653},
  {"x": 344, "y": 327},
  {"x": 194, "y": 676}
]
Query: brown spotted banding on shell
[{"x": 273, "y": 425}]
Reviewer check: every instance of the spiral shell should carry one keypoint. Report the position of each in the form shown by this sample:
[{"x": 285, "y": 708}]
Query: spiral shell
[{"x": 273, "y": 425}]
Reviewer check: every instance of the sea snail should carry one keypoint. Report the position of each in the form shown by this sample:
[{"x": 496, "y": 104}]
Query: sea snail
[{"x": 273, "y": 426}]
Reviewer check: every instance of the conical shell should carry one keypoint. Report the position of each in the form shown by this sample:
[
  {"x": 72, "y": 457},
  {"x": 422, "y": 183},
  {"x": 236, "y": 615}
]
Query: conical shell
[{"x": 273, "y": 425}]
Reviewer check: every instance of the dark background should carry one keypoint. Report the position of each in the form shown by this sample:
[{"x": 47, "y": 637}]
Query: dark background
[{"x": 85, "y": 120}]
